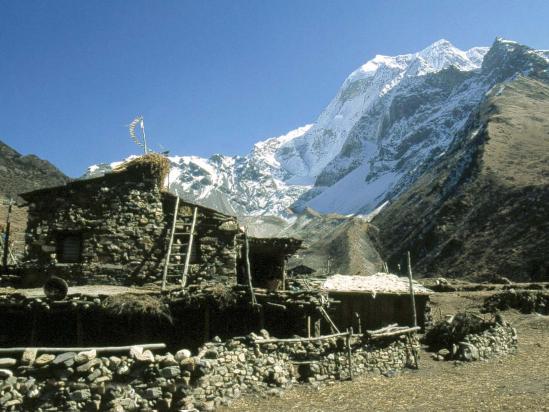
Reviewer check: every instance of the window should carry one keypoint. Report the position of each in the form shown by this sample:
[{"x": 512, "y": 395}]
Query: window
[{"x": 69, "y": 247}]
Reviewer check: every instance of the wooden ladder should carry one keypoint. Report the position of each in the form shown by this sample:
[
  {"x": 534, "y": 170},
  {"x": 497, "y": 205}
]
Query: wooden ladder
[{"x": 180, "y": 246}]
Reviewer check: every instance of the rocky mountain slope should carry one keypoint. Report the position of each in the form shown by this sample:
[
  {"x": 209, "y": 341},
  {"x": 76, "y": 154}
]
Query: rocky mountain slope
[
  {"x": 482, "y": 210},
  {"x": 332, "y": 243},
  {"x": 390, "y": 121},
  {"x": 20, "y": 173}
]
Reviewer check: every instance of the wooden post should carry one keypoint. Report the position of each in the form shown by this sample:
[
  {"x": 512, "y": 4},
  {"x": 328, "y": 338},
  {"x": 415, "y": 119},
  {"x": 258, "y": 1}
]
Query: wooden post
[
  {"x": 412, "y": 296},
  {"x": 308, "y": 326},
  {"x": 7, "y": 238},
  {"x": 318, "y": 327},
  {"x": 283, "y": 273},
  {"x": 359, "y": 322},
  {"x": 349, "y": 352},
  {"x": 248, "y": 269}
]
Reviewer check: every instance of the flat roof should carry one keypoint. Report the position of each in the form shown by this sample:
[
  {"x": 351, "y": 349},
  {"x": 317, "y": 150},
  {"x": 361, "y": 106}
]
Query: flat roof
[{"x": 379, "y": 283}]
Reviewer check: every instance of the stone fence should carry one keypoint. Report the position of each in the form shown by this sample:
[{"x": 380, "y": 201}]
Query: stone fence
[
  {"x": 499, "y": 340},
  {"x": 219, "y": 373},
  {"x": 468, "y": 337}
]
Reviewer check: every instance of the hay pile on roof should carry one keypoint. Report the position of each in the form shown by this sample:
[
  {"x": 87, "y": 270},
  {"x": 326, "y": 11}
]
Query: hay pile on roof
[
  {"x": 378, "y": 283},
  {"x": 132, "y": 304},
  {"x": 156, "y": 163}
]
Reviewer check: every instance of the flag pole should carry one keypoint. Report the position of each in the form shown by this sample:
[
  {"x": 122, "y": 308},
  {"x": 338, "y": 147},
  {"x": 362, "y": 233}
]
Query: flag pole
[{"x": 144, "y": 136}]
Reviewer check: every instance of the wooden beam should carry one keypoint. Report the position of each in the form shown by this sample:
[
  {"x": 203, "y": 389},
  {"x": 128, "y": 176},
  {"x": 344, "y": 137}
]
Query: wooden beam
[
  {"x": 397, "y": 332},
  {"x": 108, "y": 349},
  {"x": 296, "y": 340}
]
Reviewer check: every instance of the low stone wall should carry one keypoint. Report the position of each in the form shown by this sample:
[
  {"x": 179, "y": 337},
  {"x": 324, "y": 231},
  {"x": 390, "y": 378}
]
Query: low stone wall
[
  {"x": 526, "y": 301},
  {"x": 220, "y": 372},
  {"x": 499, "y": 340},
  {"x": 470, "y": 338}
]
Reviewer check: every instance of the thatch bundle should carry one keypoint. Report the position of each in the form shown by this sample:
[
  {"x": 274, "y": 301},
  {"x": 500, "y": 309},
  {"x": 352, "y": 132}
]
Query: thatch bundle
[
  {"x": 156, "y": 163},
  {"x": 132, "y": 304}
]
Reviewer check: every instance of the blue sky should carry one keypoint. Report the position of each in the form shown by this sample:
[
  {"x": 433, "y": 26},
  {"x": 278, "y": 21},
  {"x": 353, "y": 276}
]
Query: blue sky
[{"x": 208, "y": 76}]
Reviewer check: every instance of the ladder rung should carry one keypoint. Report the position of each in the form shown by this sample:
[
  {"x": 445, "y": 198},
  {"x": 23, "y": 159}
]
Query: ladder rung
[{"x": 181, "y": 233}]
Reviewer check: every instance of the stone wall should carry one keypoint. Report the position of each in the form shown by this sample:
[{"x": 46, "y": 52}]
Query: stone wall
[
  {"x": 119, "y": 218},
  {"x": 123, "y": 220},
  {"x": 220, "y": 372},
  {"x": 470, "y": 338},
  {"x": 526, "y": 301},
  {"x": 501, "y": 339}
]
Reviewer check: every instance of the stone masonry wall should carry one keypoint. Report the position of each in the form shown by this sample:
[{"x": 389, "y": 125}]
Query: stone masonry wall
[
  {"x": 215, "y": 242},
  {"x": 121, "y": 223},
  {"x": 220, "y": 372},
  {"x": 499, "y": 340},
  {"x": 124, "y": 221}
]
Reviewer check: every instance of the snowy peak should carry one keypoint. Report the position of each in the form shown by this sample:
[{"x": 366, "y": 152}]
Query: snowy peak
[
  {"x": 310, "y": 154},
  {"x": 442, "y": 54},
  {"x": 391, "y": 120}
]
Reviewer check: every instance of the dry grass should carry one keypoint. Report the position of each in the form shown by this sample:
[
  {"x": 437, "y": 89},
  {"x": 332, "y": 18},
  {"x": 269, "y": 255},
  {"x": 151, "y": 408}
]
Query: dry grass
[
  {"x": 158, "y": 163},
  {"x": 512, "y": 383},
  {"x": 223, "y": 296},
  {"x": 130, "y": 304}
]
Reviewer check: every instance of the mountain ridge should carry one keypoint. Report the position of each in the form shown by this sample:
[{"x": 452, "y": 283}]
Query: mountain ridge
[{"x": 387, "y": 124}]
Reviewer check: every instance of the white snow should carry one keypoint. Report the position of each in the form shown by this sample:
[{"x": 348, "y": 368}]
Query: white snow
[{"x": 370, "y": 143}]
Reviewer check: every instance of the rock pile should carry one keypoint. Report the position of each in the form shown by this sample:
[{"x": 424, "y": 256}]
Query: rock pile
[
  {"x": 220, "y": 372},
  {"x": 526, "y": 301},
  {"x": 467, "y": 337}
]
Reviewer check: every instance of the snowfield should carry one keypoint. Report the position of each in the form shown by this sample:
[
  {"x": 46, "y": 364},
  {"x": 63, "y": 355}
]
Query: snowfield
[{"x": 391, "y": 119}]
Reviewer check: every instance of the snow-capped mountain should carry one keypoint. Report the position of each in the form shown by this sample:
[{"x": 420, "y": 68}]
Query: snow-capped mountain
[{"x": 391, "y": 119}]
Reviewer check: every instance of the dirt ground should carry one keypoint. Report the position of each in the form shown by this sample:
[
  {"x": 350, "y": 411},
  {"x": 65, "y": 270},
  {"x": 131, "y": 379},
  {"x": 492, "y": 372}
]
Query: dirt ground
[{"x": 512, "y": 383}]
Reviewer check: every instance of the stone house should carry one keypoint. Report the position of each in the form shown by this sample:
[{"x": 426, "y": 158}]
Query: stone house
[{"x": 115, "y": 229}]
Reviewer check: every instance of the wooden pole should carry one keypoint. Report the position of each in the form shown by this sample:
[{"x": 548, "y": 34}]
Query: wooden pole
[
  {"x": 328, "y": 319},
  {"x": 189, "y": 249},
  {"x": 283, "y": 273},
  {"x": 295, "y": 340},
  {"x": 308, "y": 326},
  {"x": 412, "y": 296},
  {"x": 349, "y": 352},
  {"x": 7, "y": 237},
  {"x": 359, "y": 322},
  {"x": 108, "y": 349},
  {"x": 248, "y": 269},
  {"x": 318, "y": 327}
]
